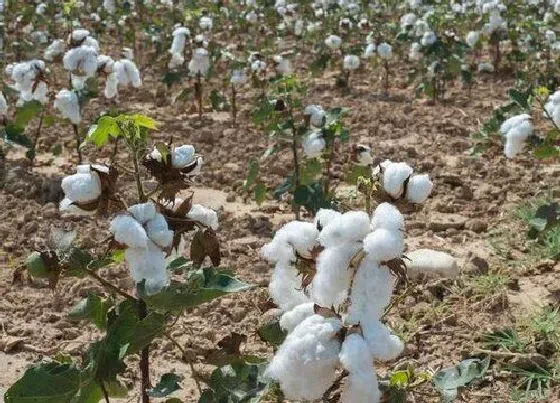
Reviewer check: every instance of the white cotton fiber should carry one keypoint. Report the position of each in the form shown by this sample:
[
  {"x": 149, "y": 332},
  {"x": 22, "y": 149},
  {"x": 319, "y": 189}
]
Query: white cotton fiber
[
  {"x": 295, "y": 236},
  {"x": 148, "y": 264},
  {"x": 82, "y": 187},
  {"x": 388, "y": 217},
  {"x": 296, "y": 315},
  {"x": 394, "y": 176},
  {"x": 183, "y": 156},
  {"x": 383, "y": 245},
  {"x": 361, "y": 386},
  {"x": 203, "y": 215},
  {"x": 305, "y": 364},
  {"x": 348, "y": 227},
  {"x": 158, "y": 231},
  {"x": 313, "y": 144},
  {"x": 278, "y": 250},
  {"x": 285, "y": 287},
  {"x": 383, "y": 345},
  {"x": 324, "y": 217},
  {"x": 371, "y": 292},
  {"x": 419, "y": 188},
  {"x": 330, "y": 284},
  {"x": 515, "y": 121},
  {"x": 129, "y": 231}
]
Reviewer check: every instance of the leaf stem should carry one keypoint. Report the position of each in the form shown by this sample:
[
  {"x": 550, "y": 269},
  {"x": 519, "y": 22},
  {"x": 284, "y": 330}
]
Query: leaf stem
[
  {"x": 141, "y": 196},
  {"x": 109, "y": 286}
]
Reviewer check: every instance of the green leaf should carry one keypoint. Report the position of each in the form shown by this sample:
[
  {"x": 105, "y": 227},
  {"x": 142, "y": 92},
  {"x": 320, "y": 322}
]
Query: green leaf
[
  {"x": 36, "y": 266},
  {"x": 253, "y": 174},
  {"x": 260, "y": 192},
  {"x": 106, "y": 126},
  {"x": 546, "y": 151},
  {"x": 178, "y": 263},
  {"x": 92, "y": 308},
  {"x": 520, "y": 98},
  {"x": 203, "y": 285},
  {"x": 265, "y": 109},
  {"x": 219, "y": 102},
  {"x": 272, "y": 333},
  {"x": 25, "y": 113},
  {"x": 14, "y": 134},
  {"x": 144, "y": 121},
  {"x": 447, "y": 380},
  {"x": 310, "y": 171},
  {"x": 357, "y": 172},
  {"x": 51, "y": 382},
  {"x": 167, "y": 385},
  {"x": 400, "y": 379}
]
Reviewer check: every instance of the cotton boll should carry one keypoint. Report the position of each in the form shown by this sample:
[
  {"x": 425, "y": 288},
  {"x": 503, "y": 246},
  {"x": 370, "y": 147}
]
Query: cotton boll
[
  {"x": 299, "y": 235},
  {"x": 200, "y": 62},
  {"x": 285, "y": 287},
  {"x": 278, "y": 250},
  {"x": 313, "y": 145},
  {"x": 296, "y": 315},
  {"x": 351, "y": 62},
  {"x": 79, "y": 35},
  {"x": 333, "y": 42},
  {"x": 67, "y": 103},
  {"x": 324, "y": 217},
  {"x": 394, "y": 176},
  {"x": 512, "y": 148},
  {"x": 82, "y": 187},
  {"x": 110, "y": 6},
  {"x": 419, "y": 188},
  {"x": 316, "y": 115},
  {"x": 180, "y": 35},
  {"x": 388, "y": 217},
  {"x": 205, "y": 23},
  {"x": 177, "y": 60},
  {"x": 361, "y": 386},
  {"x": 143, "y": 212},
  {"x": 239, "y": 77},
  {"x": 183, "y": 156},
  {"x": 282, "y": 65},
  {"x": 384, "y": 245},
  {"x": 428, "y": 39},
  {"x": 105, "y": 63},
  {"x": 351, "y": 226},
  {"x": 56, "y": 48},
  {"x": 78, "y": 82},
  {"x": 472, "y": 38},
  {"x": 384, "y": 50},
  {"x": 148, "y": 263},
  {"x": 332, "y": 279},
  {"x": 383, "y": 345},
  {"x": 371, "y": 291},
  {"x": 128, "y": 231},
  {"x": 369, "y": 52},
  {"x": 67, "y": 206},
  {"x": 111, "y": 86},
  {"x": 81, "y": 59},
  {"x": 523, "y": 121},
  {"x": 258, "y": 66},
  {"x": 305, "y": 364},
  {"x": 3, "y": 105},
  {"x": 203, "y": 215},
  {"x": 127, "y": 73}
]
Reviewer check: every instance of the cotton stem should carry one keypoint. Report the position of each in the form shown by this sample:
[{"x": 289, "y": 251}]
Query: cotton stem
[
  {"x": 78, "y": 142},
  {"x": 144, "y": 358},
  {"x": 296, "y": 208}
]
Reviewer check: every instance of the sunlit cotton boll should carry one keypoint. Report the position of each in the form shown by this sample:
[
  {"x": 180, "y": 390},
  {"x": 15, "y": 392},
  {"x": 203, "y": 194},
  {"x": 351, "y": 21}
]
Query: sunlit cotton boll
[
  {"x": 351, "y": 226},
  {"x": 472, "y": 38},
  {"x": 299, "y": 26},
  {"x": 324, "y": 217},
  {"x": 158, "y": 231},
  {"x": 66, "y": 102},
  {"x": 333, "y": 42},
  {"x": 148, "y": 263},
  {"x": 388, "y": 217},
  {"x": 128, "y": 231},
  {"x": 408, "y": 20},
  {"x": 361, "y": 386},
  {"x": 383, "y": 345},
  {"x": 183, "y": 156},
  {"x": 316, "y": 115},
  {"x": 305, "y": 364},
  {"x": 81, "y": 59},
  {"x": 295, "y": 236},
  {"x": 428, "y": 39},
  {"x": 550, "y": 36},
  {"x": 517, "y": 130},
  {"x": 369, "y": 52},
  {"x": 200, "y": 62},
  {"x": 384, "y": 50},
  {"x": 204, "y": 215},
  {"x": 351, "y": 62},
  {"x": 180, "y": 35},
  {"x": 55, "y": 49},
  {"x": 394, "y": 175},
  {"x": 384, "y": 245},
  {"x": 143, "y": 212},
  {"x": 239, "y": 77},
  {"x": 205, "y": 23},
  {"x": 82, "y": 187},
  {"x": 127, "y": 73},
  {"x": 290, "y": 319},
  {"x": 419, "y": 188},
  {"x": 313, "y": 144}
]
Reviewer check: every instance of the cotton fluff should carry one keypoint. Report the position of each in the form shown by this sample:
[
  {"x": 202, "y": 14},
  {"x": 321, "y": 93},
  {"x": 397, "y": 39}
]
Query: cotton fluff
[
  {"x": 204, "y": 215},
  {"x": 110, "y": 6},
  {"x": 148, "y": 264},
  {"x": 143, "y": 212},
  {"x": 351, "y": 226},
  {"x": 428, "y": 39},
  {"x": 305, "y": 364},
  {"x": 258, "y": 67},
  {"x": 383, "y": 345},
  {"x": 324, "y": 217},
  {"x": 128, "y": 231},
  {"x": 290, "y": 319},
  {"x": 552, "y": 107},
  {"x": 384, "y": 245},
  {"x": 361, "y": 386},
  {"x": 82, "y": 59},
  {"x": 394, "y": 176},
  {"x": 472, "y": 38},
  {"x": 316, "y": 115},
  {"x": 351, "y": 62},
  {"x": 55, "y": 49},
  {"x": 333, "y": 42},
  {"x": 205, "y": 23},
  {"x": 3, "y": 105},
  {"x": 158, "y": 231},
  {"x": 66, "y": 102},
  {"x": 384, "y": 50},
  {"x": 313, "y": 144},
  {"x": 419, "y": 188},
  {"x": 176, "y": 61},
  {"x": 127, "y": 73},
  {"x": 183, "y": 156},
  {"x": 180, "y": 35},
  {"x": 369, "y": 52},
  {"x": 387, "y": 216},
  {"x": 516, "y": 130},
  {"x": 82, "y": 187},
  {"x": 363, "y": 155},
  {"x": 200, "y": 62},
  {"x": 111, "y": 86},
  {"x": 27, "y": 78},
  {"x": 282, "y": 65}
]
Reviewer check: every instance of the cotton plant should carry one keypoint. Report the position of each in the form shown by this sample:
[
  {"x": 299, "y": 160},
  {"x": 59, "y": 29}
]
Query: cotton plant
[
  {"x": 181, "y": 35},
  {"x": 147, "y": 232},
  {"x": 333, "y": 282},
  {"x": 199, "y": 67}
]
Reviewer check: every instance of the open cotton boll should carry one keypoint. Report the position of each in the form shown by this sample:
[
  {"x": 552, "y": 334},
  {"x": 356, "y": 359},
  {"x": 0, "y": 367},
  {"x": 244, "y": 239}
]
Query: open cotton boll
[
  {"x": 394, "y": 176},
  {"x": 305, "y": 364},
  {"x": 313, "y": 144},
  {"x": 371, "y": 292},
  {"x": 472, "y": 38},
  {"x": 55, "y": 49},
  {"x": 523, "y": 122},
  {"x": 351, "y": 62},
  {"x": 67, "y": 206},
  {"x": 333, "y": 42},
  {"x": 239, "y": 77},
  {"x": 148, "y": 263},
  {"x": 78, "y": 35},
  {"x": 419, "y": 188},
  {"x": 290, "y": 319},
  {"x": 180, "y": 35},
  {"x": 285, "y": 287},
  {"x": 369, "y": 52},
  {"x": 203, "y": 215},
  {"x": 78, "y": 82},
  {"x": 110, "y": 6},
  {"x": 128, "y": 231},
  {"x": 316, "y": 115},
  {"x": 82, "y": 187},
  {"x": 512, "y": 148},
  {"x": 127, "y": 73},
  {"x": 282, "y": 65},
  {"x": 361, "y": 386},
  {"x": 200, "y": 62},
  {"x": 351, "y": 226},
  {"x": 143, "y": 212},
  {"x": 82, "y": 58},
  {"x": 177, "y": 60},
  {"x": 183, "y": 156},
  {"x": 387, "y": 216},
  {"x": 278, "y": 250},
  {"x": 384, "y": 245},
  {"x": 324, "y": 217},
  {"x": 332, "y": 279},
  {"x": 105, "y": 63},
  {"x": 3, "y": 105},
  {"x": 552, "y": 108},
  {"x": 158, "y": 231},
  {"x": 111, "y": 86},
  {"x": 428, "y": 39},
  {"x": 384, "y": 50},
  {"x": 383, "y": 345},
  {"x": 66, "y": 102}
]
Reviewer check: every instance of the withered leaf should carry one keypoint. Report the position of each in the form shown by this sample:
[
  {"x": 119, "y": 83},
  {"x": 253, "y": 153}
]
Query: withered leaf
[
  {"x": 324, "y": 312},
  {"x": 185, "y": 206},
  {"x": 212, "y": 246},
  {"x": 398, "y": 268},
  {"x": 231, "y": 344},
  {"x": 198, "y": 252}
]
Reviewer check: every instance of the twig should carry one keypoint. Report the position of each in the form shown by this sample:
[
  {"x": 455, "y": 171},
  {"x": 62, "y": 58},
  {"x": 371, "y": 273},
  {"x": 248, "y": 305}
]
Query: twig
[
  {"x": 110, "y": 286},
  {"x": 144, "y": 357},
  {"x": 186, "y": 359}
]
